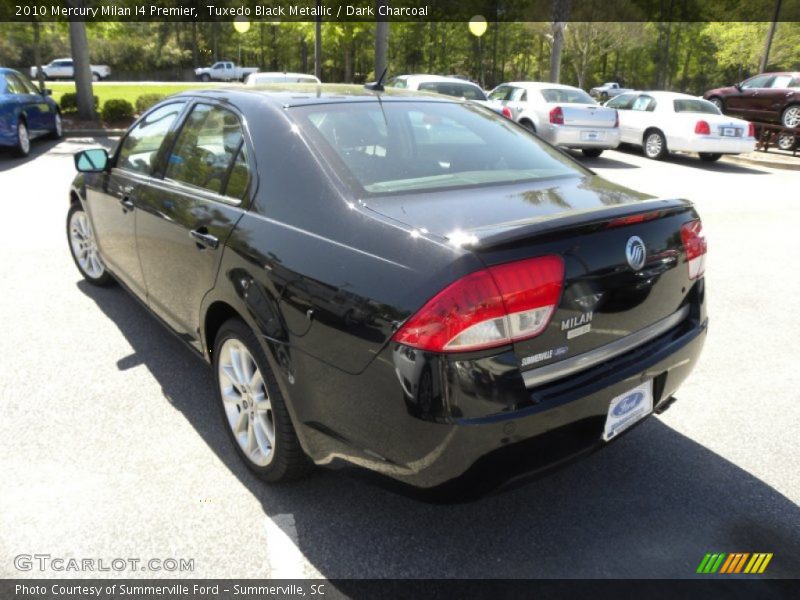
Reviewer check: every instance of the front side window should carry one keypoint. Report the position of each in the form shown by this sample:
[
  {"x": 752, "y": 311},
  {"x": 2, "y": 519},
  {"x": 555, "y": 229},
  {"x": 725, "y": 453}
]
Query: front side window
[
  {"x": 622, "y": 102},
  {"x": 501, "y": 93},
  {"x": 760, "y": 81},
  {"x": 519, "y": 95},
  {"x": 409, "y": 146},
  {"x": 567, "y": 96},
  {"x": 204, "y": 153},
  {"x": 140, "y": 147},
  {"x": 457, "y": 90},
  {"x": 644, "y": 103}
]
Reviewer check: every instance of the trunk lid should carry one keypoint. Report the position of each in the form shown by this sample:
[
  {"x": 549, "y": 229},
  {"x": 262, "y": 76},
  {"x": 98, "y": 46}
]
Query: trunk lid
[
  {"x": 587, "y": 115},
  {"x": 588, "y": 222}
]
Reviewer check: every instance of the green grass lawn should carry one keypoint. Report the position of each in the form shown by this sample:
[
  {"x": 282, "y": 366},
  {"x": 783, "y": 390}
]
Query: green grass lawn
[{"x": 129, "y": 92}]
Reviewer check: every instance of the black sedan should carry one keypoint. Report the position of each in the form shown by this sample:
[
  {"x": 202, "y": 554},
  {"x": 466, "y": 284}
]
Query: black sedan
[{"x": 407, "y": 283}]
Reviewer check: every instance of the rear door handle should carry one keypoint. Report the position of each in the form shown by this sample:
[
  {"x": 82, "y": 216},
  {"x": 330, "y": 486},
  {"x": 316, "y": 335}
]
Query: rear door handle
[{"x": 201, "y": 236}]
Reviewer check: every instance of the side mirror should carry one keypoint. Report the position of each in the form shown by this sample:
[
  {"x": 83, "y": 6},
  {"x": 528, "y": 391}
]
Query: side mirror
[
  {"x": 47, "y": 92},
  {"x": 738, "y": 86},
  {"x": 91, "y": 161}
]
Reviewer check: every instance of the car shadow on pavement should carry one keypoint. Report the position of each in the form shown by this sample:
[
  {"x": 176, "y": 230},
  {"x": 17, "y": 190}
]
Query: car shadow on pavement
[
  {"x": 692, "y": 160},
  {"x": 652, "y": 504},
  {"x": 65, "y": 146},
  {"x": 604, "y": 162}
]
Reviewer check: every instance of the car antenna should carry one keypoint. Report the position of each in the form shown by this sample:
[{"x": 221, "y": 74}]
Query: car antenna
[{"x": 377, "y": 86}]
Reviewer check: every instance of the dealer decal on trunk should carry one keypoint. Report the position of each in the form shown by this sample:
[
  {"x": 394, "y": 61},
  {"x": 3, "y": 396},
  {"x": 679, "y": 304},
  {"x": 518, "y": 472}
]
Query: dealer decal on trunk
[{"x": 578, "y": 325}]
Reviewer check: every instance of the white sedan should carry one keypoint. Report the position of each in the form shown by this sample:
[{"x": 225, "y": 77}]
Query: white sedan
[{"x": 664, "y": 122}]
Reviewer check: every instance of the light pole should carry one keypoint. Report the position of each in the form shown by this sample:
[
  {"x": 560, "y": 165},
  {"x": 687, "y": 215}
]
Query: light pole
[
  {"x": 241, "y": 25},
  {"x": 477, "y": 27}
]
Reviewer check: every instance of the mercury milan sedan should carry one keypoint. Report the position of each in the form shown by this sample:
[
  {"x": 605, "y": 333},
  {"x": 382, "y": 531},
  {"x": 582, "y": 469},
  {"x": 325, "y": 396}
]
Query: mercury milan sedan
[{"x": 408, "y": 283}]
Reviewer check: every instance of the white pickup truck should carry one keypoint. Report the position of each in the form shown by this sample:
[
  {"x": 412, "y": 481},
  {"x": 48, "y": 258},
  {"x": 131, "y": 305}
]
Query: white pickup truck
[
  {"x": 224, "y": 71},
  {"x": 62, "y": 68},
  {"x": 608, "y": 90}
]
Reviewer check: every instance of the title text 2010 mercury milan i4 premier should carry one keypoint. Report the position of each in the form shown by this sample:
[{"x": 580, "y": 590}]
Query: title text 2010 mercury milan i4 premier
[{"x": 408, "y": 283}]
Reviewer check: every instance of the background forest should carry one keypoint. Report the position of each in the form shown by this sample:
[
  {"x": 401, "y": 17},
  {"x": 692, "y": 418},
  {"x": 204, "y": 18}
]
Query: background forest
[{"x": 689, "y": 57}]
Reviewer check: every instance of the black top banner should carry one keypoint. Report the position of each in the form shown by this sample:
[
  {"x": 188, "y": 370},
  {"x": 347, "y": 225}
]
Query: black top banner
[{"x": 400, "y": 10}]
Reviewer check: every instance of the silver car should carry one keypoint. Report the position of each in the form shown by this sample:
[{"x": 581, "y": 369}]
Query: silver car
[{"x": 563, "y": 115}]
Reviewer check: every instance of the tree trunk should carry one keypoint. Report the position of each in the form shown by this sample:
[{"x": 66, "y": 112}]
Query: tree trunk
[
  {"x": 37, "y": 55},
  {"x": 381, "y": 40},
  {"x": 273, "y": 48},
  {"x": 560, "y": 14},
  {"x": 83, "y": 72},
  {"x": 770, "y": 34},
  {"x": 318, "y": 43},
  {"x": 214, "y": 36},
  {"x": 195, "y": 53}
]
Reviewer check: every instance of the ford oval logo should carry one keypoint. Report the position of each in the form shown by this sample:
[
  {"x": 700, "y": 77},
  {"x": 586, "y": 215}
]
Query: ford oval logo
[
  {"x": 635, "y": 252},
  {"x": 627, "y": 404}
]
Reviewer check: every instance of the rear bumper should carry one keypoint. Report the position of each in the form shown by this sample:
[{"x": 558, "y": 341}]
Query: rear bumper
[
  {"x": 576, "y": 137},
  {"x": 470, "y": 415},
  {"x": 714, "y": 145}
]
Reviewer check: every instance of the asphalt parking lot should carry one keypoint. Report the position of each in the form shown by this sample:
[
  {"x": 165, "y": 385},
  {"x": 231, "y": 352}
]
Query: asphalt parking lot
[{"x": 112, "y": 446}]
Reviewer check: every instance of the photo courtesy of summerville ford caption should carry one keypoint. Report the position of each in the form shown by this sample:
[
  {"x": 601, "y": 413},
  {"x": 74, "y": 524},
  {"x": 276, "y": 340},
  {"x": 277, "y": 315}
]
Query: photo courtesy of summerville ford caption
[{"x": 406, "y": 282}]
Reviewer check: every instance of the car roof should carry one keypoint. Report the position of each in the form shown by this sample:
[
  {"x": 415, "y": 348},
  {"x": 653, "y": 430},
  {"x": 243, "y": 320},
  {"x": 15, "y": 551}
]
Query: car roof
[
  {"x": 304, "y": 94},
  {"x": 435, "y": 78},
  {"x": 540, "y": 85},
  {"x": 281, "y": 74}
]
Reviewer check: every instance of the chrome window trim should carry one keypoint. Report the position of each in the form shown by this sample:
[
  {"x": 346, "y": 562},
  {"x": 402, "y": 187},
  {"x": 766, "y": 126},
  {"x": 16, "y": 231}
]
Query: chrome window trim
[{"x": 548, "y": 373}]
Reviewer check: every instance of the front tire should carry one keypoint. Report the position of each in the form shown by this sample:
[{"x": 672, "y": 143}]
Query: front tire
[
  {"x": 592, "y": 152},
  {"x": 83, "y": 248},
  {"x": 786, "y": 141},
  {"x": 96, "y": 77},
  {"x": 252, "y": 407},
  {"x": 23, "y": 147},
  {"x": 709, "y": 156},
  {"x": 654, "y": 145}
]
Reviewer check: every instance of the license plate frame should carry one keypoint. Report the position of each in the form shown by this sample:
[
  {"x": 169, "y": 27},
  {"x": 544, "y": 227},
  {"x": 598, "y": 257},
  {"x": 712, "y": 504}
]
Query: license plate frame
[
  {"x": 730, "y": 132},
  {"x": 592, "y": 136},
  {"x": 627, "y": 409}
]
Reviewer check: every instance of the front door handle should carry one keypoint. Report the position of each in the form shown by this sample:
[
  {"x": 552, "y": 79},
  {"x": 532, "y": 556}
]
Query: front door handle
[
  {"x": 127, "y": 204},
  {"x": 202, "y": 237}
]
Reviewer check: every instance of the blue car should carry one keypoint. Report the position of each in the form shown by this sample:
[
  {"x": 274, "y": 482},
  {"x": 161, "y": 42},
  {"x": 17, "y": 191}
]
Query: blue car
[{"x": 25, "y": 113}]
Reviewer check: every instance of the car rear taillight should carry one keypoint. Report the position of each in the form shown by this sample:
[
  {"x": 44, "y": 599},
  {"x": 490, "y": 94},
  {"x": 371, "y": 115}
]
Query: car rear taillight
[
  {"x": 507, "y": 113},
  {"x": 694, "y": 242},
  {"x": 702, "y": 128},
  {"x": 557, "y": 116},
  {"x": 488, "y": 308},
  {"x": 751, "y": 130}
]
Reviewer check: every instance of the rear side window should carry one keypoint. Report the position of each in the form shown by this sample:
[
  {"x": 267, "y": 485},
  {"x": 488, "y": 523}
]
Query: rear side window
[
  {"x": 695, "y": 106},
  {"x": 567, "y": 96},
  {"x": 14, "y": 85},
  {"x": 457, "y": 90},
  {"x": 208, "y": 150},
  {"x": 140, "y": 147}
]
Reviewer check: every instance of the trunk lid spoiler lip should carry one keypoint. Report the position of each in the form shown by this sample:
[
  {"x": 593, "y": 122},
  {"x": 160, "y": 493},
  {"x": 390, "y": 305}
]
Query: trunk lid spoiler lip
[{"x": 505, "y": 233}]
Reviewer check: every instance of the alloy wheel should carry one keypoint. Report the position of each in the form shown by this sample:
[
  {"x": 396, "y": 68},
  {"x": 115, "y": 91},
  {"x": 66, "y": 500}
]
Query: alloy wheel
[
  {"x": 791, "y": 117},
  {"x": 23, "y": 138},
  {"x": 246, "y": 402},
  {"x": 717, "y": 102},
  {"x": 84, "y": 247},
  {"x": 653, "y": 145}
]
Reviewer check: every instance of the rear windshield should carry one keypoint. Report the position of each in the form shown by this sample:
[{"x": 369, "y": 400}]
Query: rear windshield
[
  {"x": 393, "y": 147},
  {"x": 458, "y": 90},
  {"x": 695, "y": 106},
  {"x": 567, "y": 96}
]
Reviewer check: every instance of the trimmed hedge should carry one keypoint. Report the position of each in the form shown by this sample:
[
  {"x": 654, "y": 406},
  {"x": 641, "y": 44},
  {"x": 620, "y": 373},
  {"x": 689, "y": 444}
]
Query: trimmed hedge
[
  {"x": 69, "y": 102},
  {"x": 145, "y": 101},
  {"x": 116, "y": 110}
]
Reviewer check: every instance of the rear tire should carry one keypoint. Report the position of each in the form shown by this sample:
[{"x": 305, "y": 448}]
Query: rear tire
[
  {"x": 791, "y": 116},
  {"x": 83, "y": 248},
  {"x": 654, "y": 145},
  {"x": 718, "y": 103},
  {"x": 23, "y": 147},
  {"x": 205, "y": 78},
  {"x": 592, "y": 152},
  {"x": 58, "y": 130},
  {"x": 253, "y": 409},
  {"x": 709, "y": 156}
]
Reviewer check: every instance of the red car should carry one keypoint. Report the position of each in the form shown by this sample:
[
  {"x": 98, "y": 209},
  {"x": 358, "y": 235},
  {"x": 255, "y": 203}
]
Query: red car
[{"x": 768, "y": 97}]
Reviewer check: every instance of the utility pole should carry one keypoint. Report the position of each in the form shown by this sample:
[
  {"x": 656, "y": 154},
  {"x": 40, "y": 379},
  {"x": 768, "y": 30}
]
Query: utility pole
[
  {"x": 770, "y": 34},
  {"x": 381, "y": 39},
  {"x": 318, "y": 42}
]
